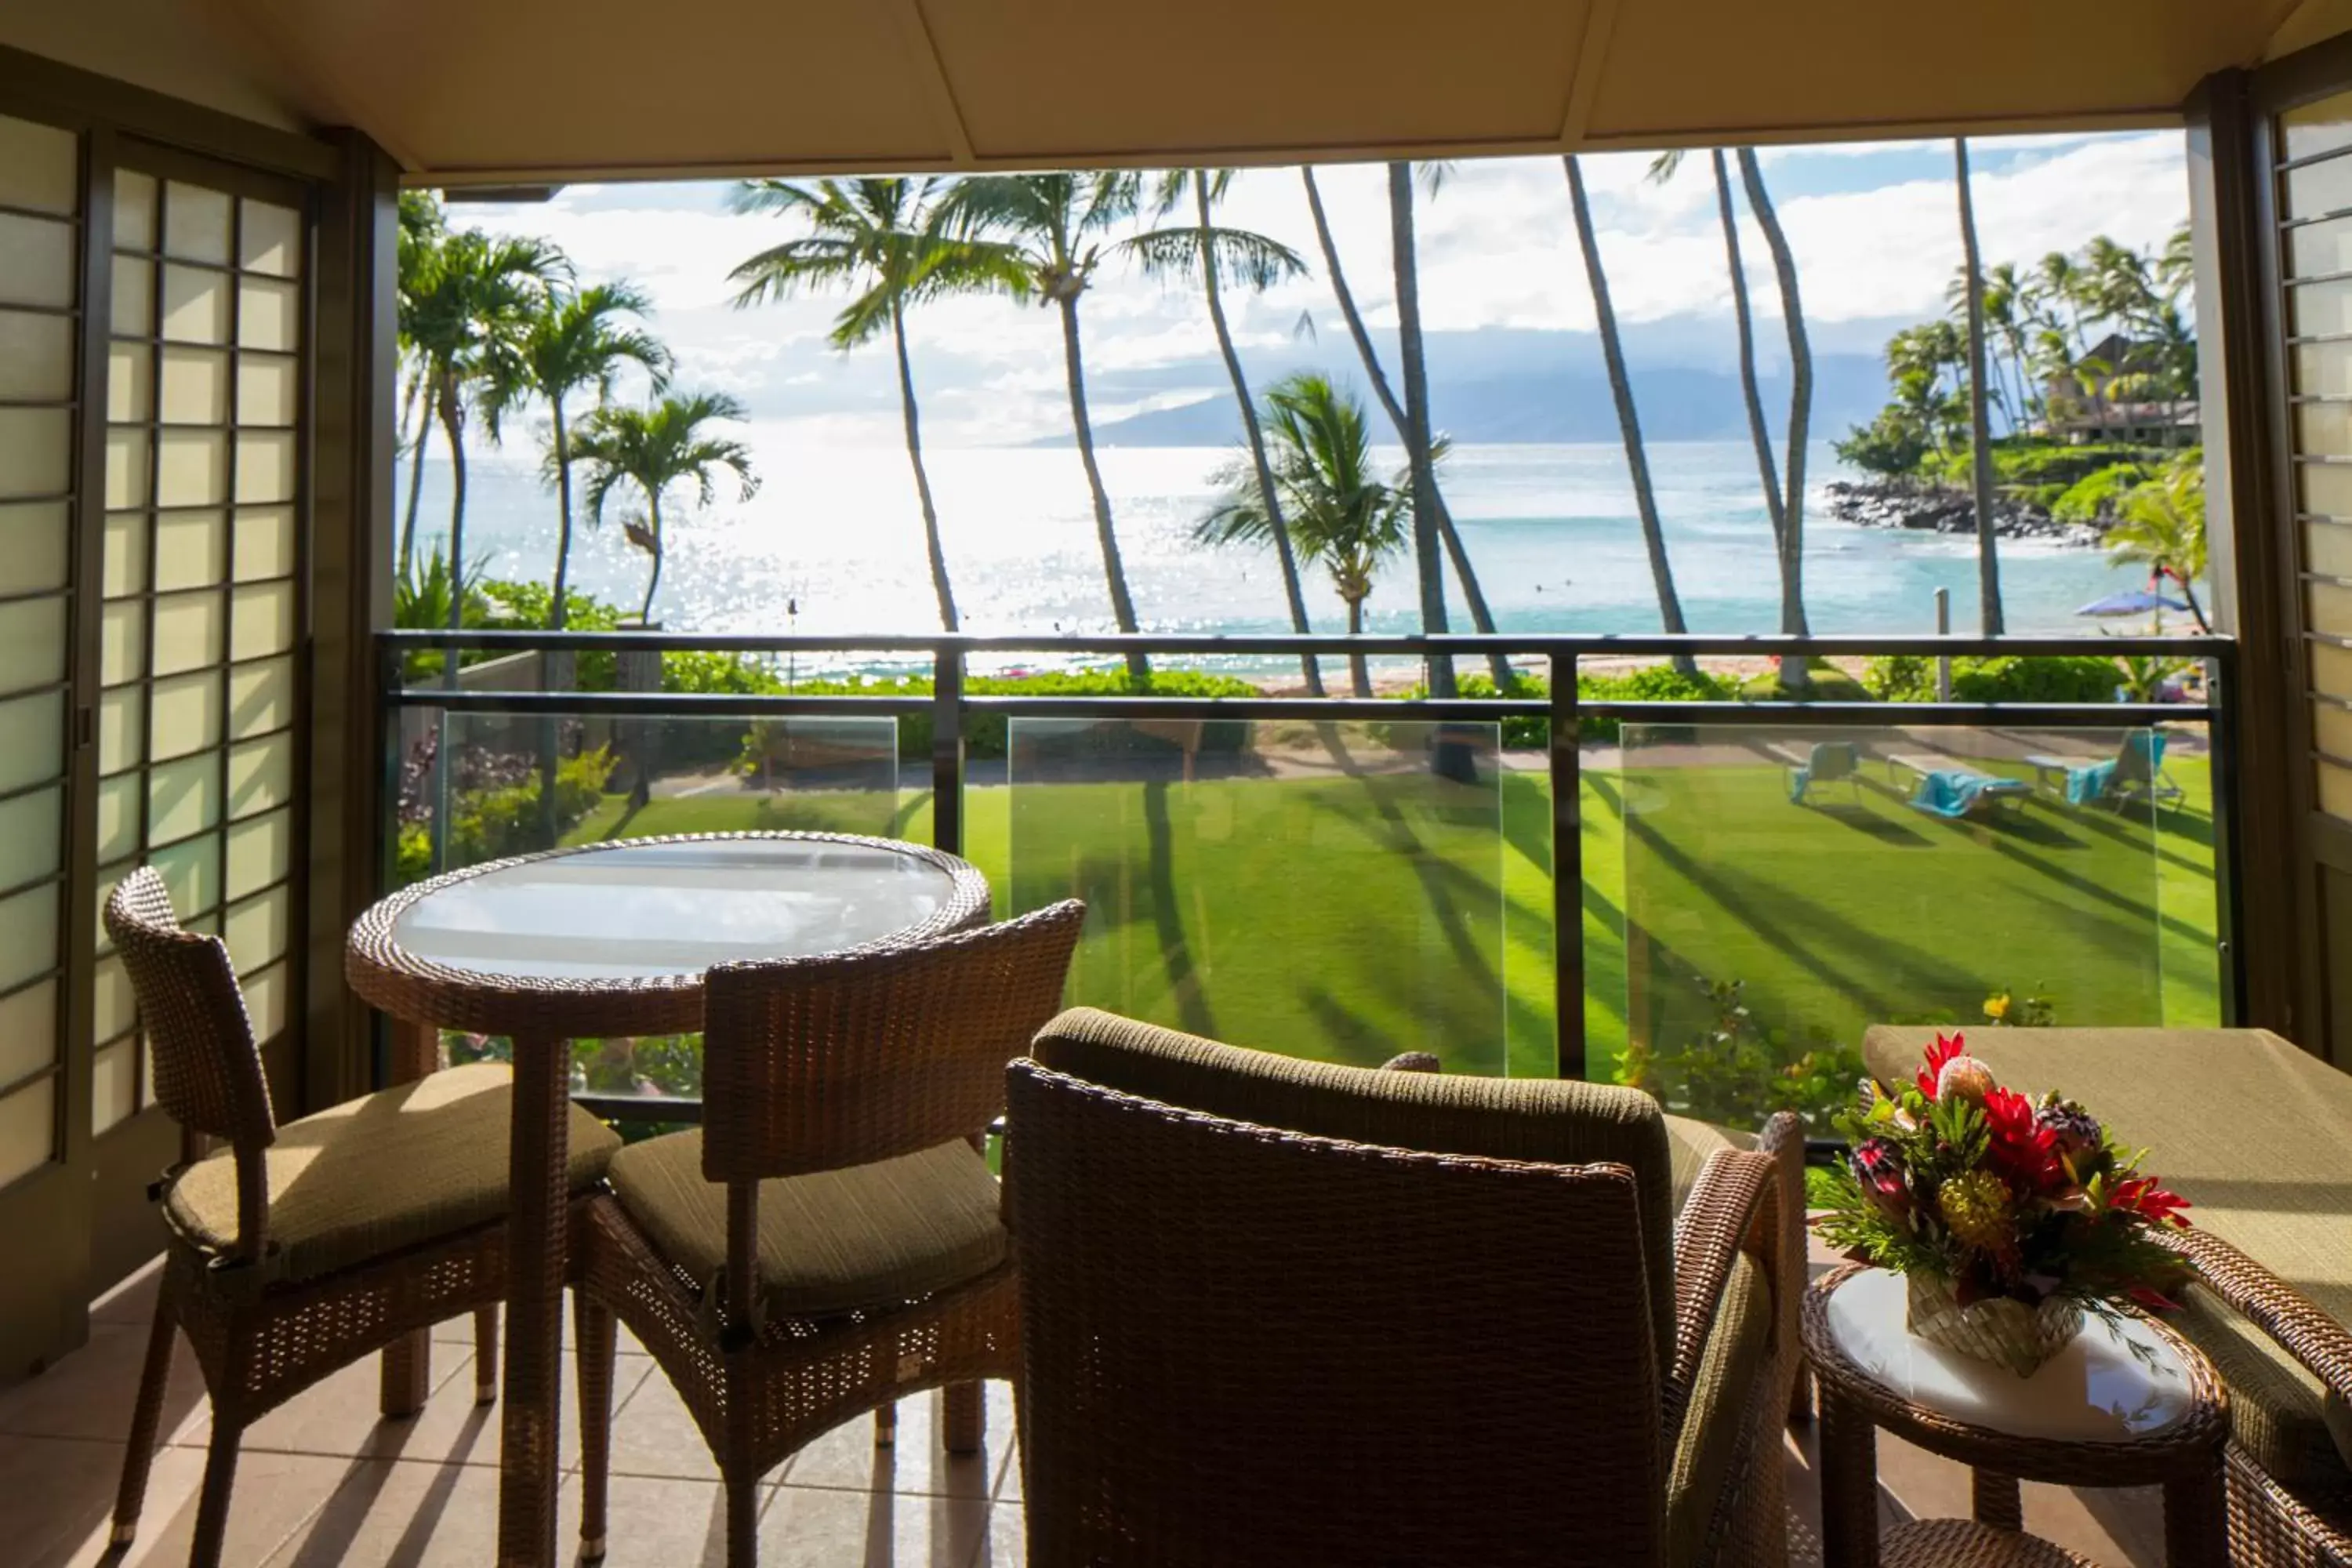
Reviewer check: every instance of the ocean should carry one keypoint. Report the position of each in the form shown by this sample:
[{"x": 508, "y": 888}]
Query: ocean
[{"x": 832, "y": 544}]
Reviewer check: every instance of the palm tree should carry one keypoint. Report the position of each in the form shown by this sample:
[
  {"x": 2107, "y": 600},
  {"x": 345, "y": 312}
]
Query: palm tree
[
  {"x": 474, "y": 299},
  {"x": 1480, "y": 619},
  {"x": 2163, "y": 527},
  {"x": 1340, "y": 513},
  {"x": 421, "y": 233},
  {"x": 1980, "y": 427},
  {"x": 1800, "y": 388},
  {"x": 1404, "y": 257},
  {"x": 1629, "y": 420},
  {"x": 877, "y": 238},
  {"x": 1054, "y": 228},
  {"x": 653, "y": 449},
  {"x": 574, "y": 342},
  {"x": 1258, "y": 263}
]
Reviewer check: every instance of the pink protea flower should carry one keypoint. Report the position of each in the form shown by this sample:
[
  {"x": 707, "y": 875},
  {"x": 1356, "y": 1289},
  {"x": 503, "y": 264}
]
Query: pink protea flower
[{"x": 1879, "y": 1170}]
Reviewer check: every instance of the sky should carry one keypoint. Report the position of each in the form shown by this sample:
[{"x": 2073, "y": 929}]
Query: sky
[{"x": 1872, "y": 226}]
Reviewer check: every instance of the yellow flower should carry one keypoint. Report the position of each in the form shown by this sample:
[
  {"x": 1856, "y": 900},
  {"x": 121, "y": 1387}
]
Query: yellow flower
[
  {"x": 1976, "y": 1207},
  {"x": 1997, "y": 1008}
]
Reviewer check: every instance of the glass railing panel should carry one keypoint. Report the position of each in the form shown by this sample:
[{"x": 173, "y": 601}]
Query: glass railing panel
[
  {"x": 1327, "y": 890},
  {"x": 1785, "y": 888}
]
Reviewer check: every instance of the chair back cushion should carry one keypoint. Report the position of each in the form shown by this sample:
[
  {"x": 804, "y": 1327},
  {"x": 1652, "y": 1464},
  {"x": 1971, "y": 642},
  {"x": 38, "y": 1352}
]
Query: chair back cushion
[
  {"x": 1553, "y": 1122},
  {"x": 207, "y": 1070},
  {"x": 1247, "y": 1345},
  {"x": 814, "y": 1064}
]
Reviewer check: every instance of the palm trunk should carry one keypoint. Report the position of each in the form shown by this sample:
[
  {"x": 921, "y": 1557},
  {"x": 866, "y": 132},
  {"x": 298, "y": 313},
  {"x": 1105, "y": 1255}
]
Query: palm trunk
[
  {"x": 1629, "y": 420},
  {"x": 556, "y": 615},
  {"x": 2195, "y": 609},
  {"x": 1122, "y": 608},
  {"x": 1472, "y": 595},
  {"x": 932, "y": 541},
  {"x": 1800, "y": 396},
  {"x": 1426, "y": 547},
  {"x": 1979, "y": 431},
  {"x": 415, "y": 477},
  {"x": 1255, "y": 436},
  {"x": 1359, "y": 672},
  {"x": 452, "y": 416},
  {"x": 652, "y": 532}
]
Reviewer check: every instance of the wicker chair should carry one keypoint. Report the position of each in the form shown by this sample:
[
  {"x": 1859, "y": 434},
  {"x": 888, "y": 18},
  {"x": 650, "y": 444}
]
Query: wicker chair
[
  {"x": 829, "y": 1240},
  {"x": 300, "y": 1248},
  {"x": 1276, "y": 1312}
]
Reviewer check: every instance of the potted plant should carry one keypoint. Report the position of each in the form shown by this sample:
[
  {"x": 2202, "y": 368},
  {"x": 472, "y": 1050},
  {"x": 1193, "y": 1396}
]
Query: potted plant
[{"x": 2008, "y": 1219}]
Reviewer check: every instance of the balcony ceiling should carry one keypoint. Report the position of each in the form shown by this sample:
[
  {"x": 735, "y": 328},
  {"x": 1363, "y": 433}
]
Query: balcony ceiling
[{"x": 495, "y": 92}]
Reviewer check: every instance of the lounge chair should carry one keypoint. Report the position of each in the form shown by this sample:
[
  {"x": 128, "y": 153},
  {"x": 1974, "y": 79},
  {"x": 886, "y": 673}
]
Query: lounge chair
[
  {"x": 1951, "y": 789},
  {"x": 2135, "y": 772},
  {"x": 1825, "y": 761}
]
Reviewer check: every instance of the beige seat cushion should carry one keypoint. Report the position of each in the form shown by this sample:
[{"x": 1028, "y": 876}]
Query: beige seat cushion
[
  {"x": 372, "y": 1176},
  {"x": 829, "y": 1242},
  {"x": 2257, "y": 1135},
  {"x": 1689, "y": 1143}
]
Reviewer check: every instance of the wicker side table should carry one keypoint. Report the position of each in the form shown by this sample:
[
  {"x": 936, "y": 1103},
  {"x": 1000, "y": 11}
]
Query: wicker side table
[{"x": 2122, "y": 1405}]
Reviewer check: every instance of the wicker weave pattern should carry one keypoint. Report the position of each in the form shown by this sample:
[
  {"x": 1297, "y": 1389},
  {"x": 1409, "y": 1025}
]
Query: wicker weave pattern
[
  {"x": 207, "y": 1070},
  {"x": 1243, "y": 1345}
]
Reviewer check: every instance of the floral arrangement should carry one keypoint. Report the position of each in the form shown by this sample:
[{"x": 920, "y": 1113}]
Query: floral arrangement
[{"x": 1963, "y": 1185}]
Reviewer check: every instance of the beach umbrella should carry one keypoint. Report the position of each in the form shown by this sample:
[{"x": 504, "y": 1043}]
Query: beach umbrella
[{"x": 2138, "y": 601}]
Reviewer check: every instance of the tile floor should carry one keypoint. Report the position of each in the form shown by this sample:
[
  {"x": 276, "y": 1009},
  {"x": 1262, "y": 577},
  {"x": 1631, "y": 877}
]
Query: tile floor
[{"x": 322, "y": 1482}]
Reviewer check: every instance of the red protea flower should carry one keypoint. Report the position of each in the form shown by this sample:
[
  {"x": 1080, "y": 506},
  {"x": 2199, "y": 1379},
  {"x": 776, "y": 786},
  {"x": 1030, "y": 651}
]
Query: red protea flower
[
  {"x": 1878, "y": 1168},
  {"x": 2142, "y": 1197},
  {"x": 1944, "y": 1048}
]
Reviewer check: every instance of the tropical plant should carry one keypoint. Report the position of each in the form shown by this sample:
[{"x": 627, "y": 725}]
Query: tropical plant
[
  {"x": 2162, "y": 526},
  {"x": 574, "y": 342},
  {"x": 422, "y": 229},
  {"x": 1342, "y": 515},
  {"x": 880, "y": 240},
  {"x": 1979, "y": 424},
  {"x": 1404, "y": 258},
  {"x": 1481, "y": 618},
  {"x": 1258, "y": 263},
  {"x": 1054, "y": 228},
  {"x": 1629, "y": 419},
  {"x": 655, "y": 448}
]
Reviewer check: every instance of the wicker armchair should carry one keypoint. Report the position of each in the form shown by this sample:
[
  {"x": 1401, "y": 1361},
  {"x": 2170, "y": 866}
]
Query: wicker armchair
[
  {"x": 829, "y": 1240},
  {"x": 1278, "y": 1312},
  {"x": 300, "y": 1248}
]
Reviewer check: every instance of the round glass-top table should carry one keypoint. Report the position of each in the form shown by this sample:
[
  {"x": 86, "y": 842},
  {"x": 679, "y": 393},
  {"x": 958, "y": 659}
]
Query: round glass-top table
[
  {"x": 2127, "y": 1401},
  {"x": 612, "y": 939}
]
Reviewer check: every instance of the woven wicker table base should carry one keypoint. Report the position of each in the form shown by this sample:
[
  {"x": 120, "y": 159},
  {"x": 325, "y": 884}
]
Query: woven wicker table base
[{"x": 1965, "y": 1543}]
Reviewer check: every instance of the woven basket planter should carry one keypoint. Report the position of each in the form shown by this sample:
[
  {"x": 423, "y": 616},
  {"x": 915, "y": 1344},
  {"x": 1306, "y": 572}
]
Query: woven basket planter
[{"x": 2005, "y": 1332}]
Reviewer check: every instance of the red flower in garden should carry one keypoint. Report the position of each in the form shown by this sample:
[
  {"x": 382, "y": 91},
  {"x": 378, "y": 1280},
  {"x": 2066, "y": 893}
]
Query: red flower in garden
[
  {"x": 2142, "y": 1197},
  {"x": 1944, "y": 1048}
]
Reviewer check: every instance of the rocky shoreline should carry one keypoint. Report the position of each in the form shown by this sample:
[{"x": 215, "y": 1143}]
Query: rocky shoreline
[{"x": 1938, "y": 509}]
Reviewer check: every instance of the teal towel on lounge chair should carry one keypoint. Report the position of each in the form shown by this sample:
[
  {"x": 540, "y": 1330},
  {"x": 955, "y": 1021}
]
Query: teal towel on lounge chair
[
  {"x": 1954, "y": 792},
  {"x": 1830, "y": 762},
  {"x": 2088, "y": 785}
]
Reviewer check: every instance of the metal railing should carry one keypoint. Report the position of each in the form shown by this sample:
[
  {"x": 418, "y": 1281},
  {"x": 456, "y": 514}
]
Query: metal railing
[{"x": 949, "y": 658}]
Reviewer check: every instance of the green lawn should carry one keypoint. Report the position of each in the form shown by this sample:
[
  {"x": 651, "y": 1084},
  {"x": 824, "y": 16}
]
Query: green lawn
[{"x": 1353, "y": 917}]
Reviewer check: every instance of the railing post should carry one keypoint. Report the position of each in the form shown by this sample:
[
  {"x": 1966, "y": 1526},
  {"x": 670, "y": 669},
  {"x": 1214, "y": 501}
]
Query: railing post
[
  {"x": 1567, "y": 868},
  {"x": 947, "y": 749},
  {"x": 2221, "y": 740}
]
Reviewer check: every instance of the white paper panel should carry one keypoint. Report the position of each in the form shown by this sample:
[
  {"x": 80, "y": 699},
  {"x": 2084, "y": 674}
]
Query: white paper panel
[
  {"x": 183, "y": 798},
  {"x": 268, "y": 388},
  {"x": 28, "y": 1129},
  {"x": 127, "y": 468},
  {"x": 32, "y": 547},
  {"x": 32, "y": 834},
  {"x": 121, "y": 728},
  {"x": 187, "y": 631},
  {"x": 196, "y": 223},
  {"x": 191, "y": 467},
  {"x": 263, "y": 620},
  {"x": 264, "y": 465},
  {"x": 115, "y": 1007},
  {"x": 196, "y": 305},
  {"x": 270, "y": 315},
  {"x": 265, "y": 542},
  {"x": 39, "y": 166},
  {"x": 36, "y": 354},
  {"x": 191, "y": 870},
  {"x": 134, "y": 210},
  {"x": 265, "y": 1000},
  {"x": 270, "y": 239},
  {"x": 31, "y": 739},
  {"x": 195, "y": 386},
  {"x": 185, "y": 717},
  {"x": 260, "y": 775},
  {"x": 261, "y": 697},
  {"x": 260, "y": 852},
  {"x": 133, "y": 311},
  {"x": 28, "y": 1030},
  {"x": 28, "y": 935},
  {"x": 118, "y": 816},
  {"x": 121, "y": 642},
  {"x": 190, "y": 547},
  {"x": 113, "y": 1085},
  {"x": 255, "y": 929},
  {"x": 129, "y": 382},
  {"x": 32, "y": 643},
  {"x": 37, "y": 262},
  {"x": 36, "y": 451}
]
